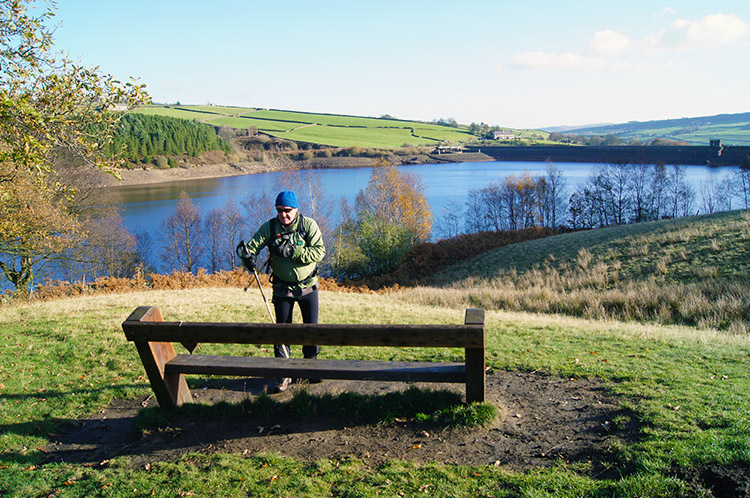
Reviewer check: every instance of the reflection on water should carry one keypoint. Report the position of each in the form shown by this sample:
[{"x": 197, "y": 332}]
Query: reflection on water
[{"x": 145, "y": 207}]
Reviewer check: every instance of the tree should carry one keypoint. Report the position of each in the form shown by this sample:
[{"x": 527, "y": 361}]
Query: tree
[
  {"x": 396, "y": 197},
  {"x": 35, "y": 228},
  {"x": 184, "y": 238},
  {"x": 47, "y": 105},
  {"x": 680, "y": 194},
  {"x": 108, "y": 250},
  {"x": 742, "y": 183},
  {"x": 390, "y": 217},
  {"x": 213, "y": 228},
  {"x": 553, "y": 195},
  {"x": 448, "y": 225}
]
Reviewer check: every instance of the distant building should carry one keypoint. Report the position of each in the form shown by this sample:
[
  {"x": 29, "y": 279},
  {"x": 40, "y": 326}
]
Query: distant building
[
  {"x": 503, "y": 135},
  {"x": 448, "y": 149}
]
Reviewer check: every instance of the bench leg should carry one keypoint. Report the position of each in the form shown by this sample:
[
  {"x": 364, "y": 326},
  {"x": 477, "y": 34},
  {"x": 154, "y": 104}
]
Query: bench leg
[
  {"x": 475, "y": 367},
  {"x": 475, "y": 362},
  {"x": 170, "y": 390}
]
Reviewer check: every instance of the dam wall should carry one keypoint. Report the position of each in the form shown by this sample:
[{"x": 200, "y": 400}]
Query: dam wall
[{"x": 631, "y": 154}]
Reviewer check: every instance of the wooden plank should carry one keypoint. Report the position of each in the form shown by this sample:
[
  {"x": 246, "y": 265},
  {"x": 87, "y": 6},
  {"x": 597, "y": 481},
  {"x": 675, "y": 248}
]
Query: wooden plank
[
  {"x": 321, "y": 334},
  {"x": 170, "y": 390},
  {"x": 475, "y": 361},
  {"x": 407, "y": 371}
]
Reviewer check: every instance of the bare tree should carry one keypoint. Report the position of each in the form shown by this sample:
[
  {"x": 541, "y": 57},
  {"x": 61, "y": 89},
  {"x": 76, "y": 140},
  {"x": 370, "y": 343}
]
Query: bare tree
[
  {"x": 213, "y": 229},
  {"x": 448, "y": 225},
  {"x": 184, "y": 240},
  {"x": 658, "y": 190},
  {"x": 679, "y": 192},
  {"x": 553, "y": 195},
  {"x": 233, "y": 225},
  {"x": 742, "y": 183},
  {"x": 639, "y": 184}
]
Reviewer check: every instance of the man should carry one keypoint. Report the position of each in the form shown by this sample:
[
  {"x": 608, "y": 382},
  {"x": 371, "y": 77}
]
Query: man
[{"x": 296, "y": 247}]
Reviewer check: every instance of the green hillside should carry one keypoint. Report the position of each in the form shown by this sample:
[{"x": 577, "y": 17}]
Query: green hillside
[
  {"x": 731, "y": 129},
  {"x": 329, "y": 129},
  {"x": 693, "y": 270}
]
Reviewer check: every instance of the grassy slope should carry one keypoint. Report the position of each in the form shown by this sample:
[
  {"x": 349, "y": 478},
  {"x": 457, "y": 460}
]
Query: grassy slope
[
  {"x": 688, "y": 387},
  {"x": 730, "y": 128},
  {"x": 690, "y": 270},
  {"x": 327, "y": 129},
  {"x": 691, "y": 247}
]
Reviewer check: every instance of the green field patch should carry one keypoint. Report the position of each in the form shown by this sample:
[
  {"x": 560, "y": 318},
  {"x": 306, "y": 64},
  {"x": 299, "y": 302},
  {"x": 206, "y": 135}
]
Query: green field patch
[
  {"x": 332, "y": 119},
  {"x": 264, "y": 125},
  {"x": 175, "y": 113},
  {"x": 334, "y": 136},
  {"x": 217, "y": 109}
]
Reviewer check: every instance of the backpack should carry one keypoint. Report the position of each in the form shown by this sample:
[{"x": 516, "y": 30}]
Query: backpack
[
  {"x": 300, "y": 228},
  {"x": 303, "y": 235}
]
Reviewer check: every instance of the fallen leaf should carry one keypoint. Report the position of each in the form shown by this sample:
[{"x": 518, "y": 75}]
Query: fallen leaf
[{"x": 416, "y": 447}]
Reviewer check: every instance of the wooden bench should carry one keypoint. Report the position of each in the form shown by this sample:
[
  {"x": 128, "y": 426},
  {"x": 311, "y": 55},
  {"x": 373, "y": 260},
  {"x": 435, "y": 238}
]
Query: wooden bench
[{"x": 166, "y": 369}]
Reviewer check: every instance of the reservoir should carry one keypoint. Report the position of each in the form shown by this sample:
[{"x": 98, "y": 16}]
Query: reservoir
[{"x": 145, "y": 207}]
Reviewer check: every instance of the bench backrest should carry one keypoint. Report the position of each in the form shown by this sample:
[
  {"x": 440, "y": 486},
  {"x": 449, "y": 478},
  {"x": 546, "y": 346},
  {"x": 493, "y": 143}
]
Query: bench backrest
[{"x": 145, "y": 325}]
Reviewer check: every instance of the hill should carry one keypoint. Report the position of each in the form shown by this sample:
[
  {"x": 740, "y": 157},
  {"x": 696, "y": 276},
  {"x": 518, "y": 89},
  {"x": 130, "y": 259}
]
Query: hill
[
  {"x": 731, "y": 129},
  {"x": 693, "y": 270},
  {"x": 332, "y": 130}
]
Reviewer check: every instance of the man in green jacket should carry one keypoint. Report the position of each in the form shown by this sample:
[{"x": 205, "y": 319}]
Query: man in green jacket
[{"x": 296, "y": 247}]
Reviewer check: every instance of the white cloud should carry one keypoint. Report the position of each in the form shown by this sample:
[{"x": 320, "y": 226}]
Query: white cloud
[
  {"x": 609, "y": 43},
  {"x": 716, "y": 30},
  {"x": 546, "y": 60},
  {"x": 710, "y": 32},
  {"x": 668, "y": 11},
  {"x": 615, "y": 51}
]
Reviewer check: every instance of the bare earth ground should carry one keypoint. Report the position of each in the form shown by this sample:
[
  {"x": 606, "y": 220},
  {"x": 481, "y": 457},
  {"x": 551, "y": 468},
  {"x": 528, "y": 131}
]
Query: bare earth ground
[{"x": 542, "y": 420}]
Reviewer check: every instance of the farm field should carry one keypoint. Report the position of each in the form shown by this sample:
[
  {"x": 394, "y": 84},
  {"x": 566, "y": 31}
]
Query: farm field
[
  {"x": 731, "y": 129},
  {"x": 325, "y": 129}
]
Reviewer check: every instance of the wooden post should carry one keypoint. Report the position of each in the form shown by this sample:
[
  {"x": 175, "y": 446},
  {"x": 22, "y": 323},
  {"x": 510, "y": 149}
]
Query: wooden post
[
  {"x": 475, "y": 362},
  {"x": 171, "y": 390}
]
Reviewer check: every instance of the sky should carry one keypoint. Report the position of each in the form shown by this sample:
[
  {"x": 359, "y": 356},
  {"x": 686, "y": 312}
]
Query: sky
[{"x": 529, "y": 64}]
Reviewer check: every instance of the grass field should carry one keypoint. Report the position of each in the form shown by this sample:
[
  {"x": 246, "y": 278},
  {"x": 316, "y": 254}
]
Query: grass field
[
  {"x": 326, "y": 129},
  {"x": 731, "y": 129},
  {"x": 685, "y": 386},
  {"x": 65, "y": 359}
]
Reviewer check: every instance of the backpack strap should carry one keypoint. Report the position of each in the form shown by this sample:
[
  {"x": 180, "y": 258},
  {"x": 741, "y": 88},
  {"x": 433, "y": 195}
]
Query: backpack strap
[{"x": 300, "y": 228}]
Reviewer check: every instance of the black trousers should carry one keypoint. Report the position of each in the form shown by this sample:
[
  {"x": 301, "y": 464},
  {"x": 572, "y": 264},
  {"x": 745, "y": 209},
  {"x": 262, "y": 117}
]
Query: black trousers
[{"x": 284, "y": 307}]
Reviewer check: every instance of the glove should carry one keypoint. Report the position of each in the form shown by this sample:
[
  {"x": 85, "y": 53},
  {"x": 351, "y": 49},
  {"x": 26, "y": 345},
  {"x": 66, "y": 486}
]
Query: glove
[
  {"x": 283, "y": 248},
  {"x": 249, "y": 260}
]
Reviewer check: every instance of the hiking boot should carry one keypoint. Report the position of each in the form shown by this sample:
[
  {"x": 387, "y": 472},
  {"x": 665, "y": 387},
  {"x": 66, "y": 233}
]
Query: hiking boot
[{"x": 282, "y": 386}]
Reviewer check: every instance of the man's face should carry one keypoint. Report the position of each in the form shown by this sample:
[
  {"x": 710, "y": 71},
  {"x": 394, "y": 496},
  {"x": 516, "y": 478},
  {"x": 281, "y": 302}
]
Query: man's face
[{"x": 286, "y": 214}]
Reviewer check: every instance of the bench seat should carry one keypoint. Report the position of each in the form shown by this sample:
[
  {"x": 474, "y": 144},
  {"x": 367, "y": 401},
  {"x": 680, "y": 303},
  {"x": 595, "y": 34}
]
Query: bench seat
[{"x": 406, "y": 371}]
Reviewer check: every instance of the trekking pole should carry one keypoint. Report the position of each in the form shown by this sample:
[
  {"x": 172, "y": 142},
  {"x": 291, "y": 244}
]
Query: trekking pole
[
  {"x": 268, "y": 307},
  {"x": 243, "y": 253}
]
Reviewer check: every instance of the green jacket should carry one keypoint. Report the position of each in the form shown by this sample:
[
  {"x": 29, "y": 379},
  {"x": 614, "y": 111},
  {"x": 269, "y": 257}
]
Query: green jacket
[{"x": 295, "y": 271}]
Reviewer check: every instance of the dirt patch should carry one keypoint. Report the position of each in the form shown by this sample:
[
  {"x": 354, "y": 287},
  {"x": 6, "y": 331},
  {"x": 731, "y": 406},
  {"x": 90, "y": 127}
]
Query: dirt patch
[{"x": 542, "y": 420}]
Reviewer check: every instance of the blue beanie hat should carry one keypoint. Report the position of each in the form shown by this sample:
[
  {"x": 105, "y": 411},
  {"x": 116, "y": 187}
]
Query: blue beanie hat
[{"x": 287, "y": 198}]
